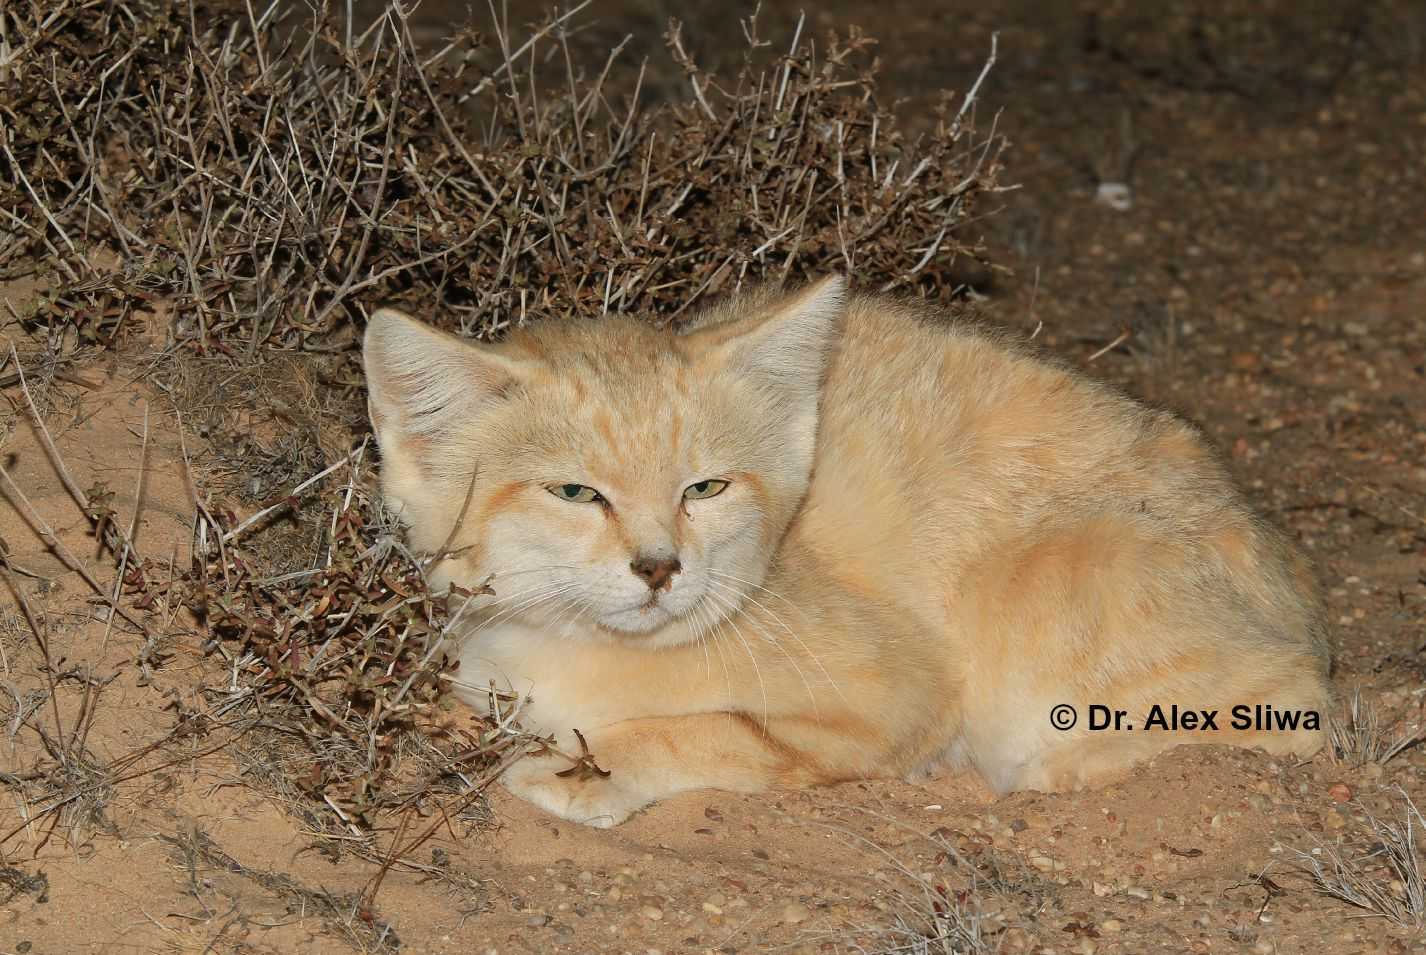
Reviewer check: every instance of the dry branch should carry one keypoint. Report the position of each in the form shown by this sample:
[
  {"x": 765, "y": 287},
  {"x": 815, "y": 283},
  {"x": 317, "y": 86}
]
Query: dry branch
[{"x": 271, "y": 183}]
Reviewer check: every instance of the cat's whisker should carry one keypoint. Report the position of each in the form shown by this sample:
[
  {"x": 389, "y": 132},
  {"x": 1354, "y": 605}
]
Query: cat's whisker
[
  {"x": 465, "y": 606},
  {"x": 544, "y": 595},
  {"x": 781, "y": 623},
  {"x": 566, "y": 606},
  {"x": 700, "y": 632},
  {"x": 711, "y": 634},
  {"x": 756, "y": 586},
  {"x": 747, "y": 648},
  {"x": 574, "y": 607},
  {"x": 504, "y": 603},
  {"x": 500, "y": 575},
  {"x": 770, "y": 638},
  {"x": 503, "y": 598}
]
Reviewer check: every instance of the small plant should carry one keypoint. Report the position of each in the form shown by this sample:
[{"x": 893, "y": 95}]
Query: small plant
[
  {"x": 1357, "y": 737},
  {"x": 1382, "y": 871}
]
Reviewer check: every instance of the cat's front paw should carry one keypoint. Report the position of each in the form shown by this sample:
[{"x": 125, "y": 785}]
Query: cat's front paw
[{"x": 579, "y": 792}]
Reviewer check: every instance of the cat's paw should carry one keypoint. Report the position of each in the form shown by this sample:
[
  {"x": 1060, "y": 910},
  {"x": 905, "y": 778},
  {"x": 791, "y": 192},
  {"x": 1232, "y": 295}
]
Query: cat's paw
[{"x": 578, "y": 792}]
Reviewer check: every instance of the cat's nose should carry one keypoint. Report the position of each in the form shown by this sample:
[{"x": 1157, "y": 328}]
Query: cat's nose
[{"x": 657, "y": 572}]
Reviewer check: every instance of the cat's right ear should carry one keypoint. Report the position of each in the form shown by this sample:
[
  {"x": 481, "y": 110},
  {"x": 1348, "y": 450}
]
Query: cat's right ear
[{"x": 421, "y": 382}]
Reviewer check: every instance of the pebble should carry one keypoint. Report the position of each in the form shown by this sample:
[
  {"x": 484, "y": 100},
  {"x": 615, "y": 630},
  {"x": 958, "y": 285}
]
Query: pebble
[
  {"x": 1340, "y": 792},
  {"x": 651, "y": 912},
  {"x": 794, "y": 913},
  {"x": 1137, "y": 892},
  {"x": 1101, "y": 890},
  {"x": 1111, "y": 925},
  {"x": 538, "y": 921}
]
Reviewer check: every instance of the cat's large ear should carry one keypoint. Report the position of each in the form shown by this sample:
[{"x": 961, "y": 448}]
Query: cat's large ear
[
  {"x": 781, "y": 347},
  {"x": 785, "y": 347},
  {"x": 421, "y": 382}
]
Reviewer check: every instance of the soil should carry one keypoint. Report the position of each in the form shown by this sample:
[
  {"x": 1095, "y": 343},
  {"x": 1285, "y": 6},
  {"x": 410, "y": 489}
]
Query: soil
[{"x": 1266, "y": 277}]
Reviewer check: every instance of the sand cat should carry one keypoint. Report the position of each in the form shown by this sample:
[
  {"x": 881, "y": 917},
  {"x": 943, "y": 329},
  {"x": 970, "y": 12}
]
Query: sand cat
[{"x": 809, "y": 537}]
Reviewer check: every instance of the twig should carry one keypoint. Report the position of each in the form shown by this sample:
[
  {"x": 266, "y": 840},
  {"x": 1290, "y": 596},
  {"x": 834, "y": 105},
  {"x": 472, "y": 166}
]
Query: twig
[
  {"x": 57, "y": 460},
  {"x": 133, "y": 529},
  {"x": 1119, "y": 340},
  {"x": 286, "y": 502},
  {"x": 37, "y": 523},
  {"x": 40, "y": 639}
]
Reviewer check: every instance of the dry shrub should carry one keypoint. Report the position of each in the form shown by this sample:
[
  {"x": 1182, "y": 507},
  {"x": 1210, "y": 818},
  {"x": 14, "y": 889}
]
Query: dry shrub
[
  {"x": 269, "y": 181},
  {"x": 1357, "y": 736},
  {"x": 341, "y": 668},
  {"x": 959, "y": 895},
  {"x": 1380, "y": 868}
]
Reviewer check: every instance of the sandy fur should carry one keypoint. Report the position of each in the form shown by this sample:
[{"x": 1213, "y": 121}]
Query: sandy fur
[{"x": 930, "y": 537}]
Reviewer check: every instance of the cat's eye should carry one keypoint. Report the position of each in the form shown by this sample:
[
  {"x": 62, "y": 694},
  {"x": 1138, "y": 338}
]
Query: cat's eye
[
  {"x": 702, "y": 489},
  {"x": 578, "y": 493}
]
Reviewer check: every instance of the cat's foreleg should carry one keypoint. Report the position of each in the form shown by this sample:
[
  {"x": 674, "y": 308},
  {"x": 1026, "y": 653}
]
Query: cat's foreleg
[{"x": 621, "y": 768}]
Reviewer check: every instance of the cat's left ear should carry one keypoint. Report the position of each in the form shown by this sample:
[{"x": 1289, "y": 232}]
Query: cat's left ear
[{"x": 785, "y": 348}]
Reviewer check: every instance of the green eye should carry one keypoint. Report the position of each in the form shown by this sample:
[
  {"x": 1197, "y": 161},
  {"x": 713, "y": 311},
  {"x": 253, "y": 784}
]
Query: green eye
[
  {"x": 578, "y": 493},
  {"x": 702, "y": 489}
]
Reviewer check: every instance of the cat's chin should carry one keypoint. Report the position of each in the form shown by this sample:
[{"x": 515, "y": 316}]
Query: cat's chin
[
  {"x": 638, "y": 622},
  {"x": 655, "y": 628}
]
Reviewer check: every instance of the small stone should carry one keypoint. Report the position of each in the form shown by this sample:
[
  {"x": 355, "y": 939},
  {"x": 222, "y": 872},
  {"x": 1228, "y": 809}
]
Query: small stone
[
  {"x": 712, "y": 909},
  {"x": 1340, "y": 792},
  {"x": 1137, "y": 892},
  {"x": 1101, "y": 890},
  {"x": 1015, "y": 940},
  {"x": 1111, "y": 925},
  {"x": 1042, "y": 862},
  {"x": 794, "y": 913},
  {"x": 651, "y": 912},
  {"x": 538, "y": 921},
  {"x": 586, "y": 877}
]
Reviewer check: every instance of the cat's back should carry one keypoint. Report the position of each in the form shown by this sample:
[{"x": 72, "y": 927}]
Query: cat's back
[
  {"x": 946, "y": 437},
  {"x": 952, "y": 411}
]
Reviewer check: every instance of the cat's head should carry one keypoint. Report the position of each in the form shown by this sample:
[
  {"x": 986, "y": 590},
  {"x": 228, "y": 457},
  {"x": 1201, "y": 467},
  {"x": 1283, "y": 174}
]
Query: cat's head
[{"x": 614, "y": 478}]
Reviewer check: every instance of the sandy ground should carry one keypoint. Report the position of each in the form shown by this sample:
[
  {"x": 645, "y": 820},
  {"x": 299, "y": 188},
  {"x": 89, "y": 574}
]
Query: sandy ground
[{"x": 1272, "y": 274}]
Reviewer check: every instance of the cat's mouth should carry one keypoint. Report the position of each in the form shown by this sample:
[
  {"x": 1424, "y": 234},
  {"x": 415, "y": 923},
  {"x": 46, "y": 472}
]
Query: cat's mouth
[{"x": 641, "y": 618}]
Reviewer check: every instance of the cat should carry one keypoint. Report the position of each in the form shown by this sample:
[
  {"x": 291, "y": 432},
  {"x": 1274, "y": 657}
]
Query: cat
[{"x": 808, "y": 536}]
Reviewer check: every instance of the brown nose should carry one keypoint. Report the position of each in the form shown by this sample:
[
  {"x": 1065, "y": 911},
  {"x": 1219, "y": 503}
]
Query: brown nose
[{"x": 656, "y": 571}]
